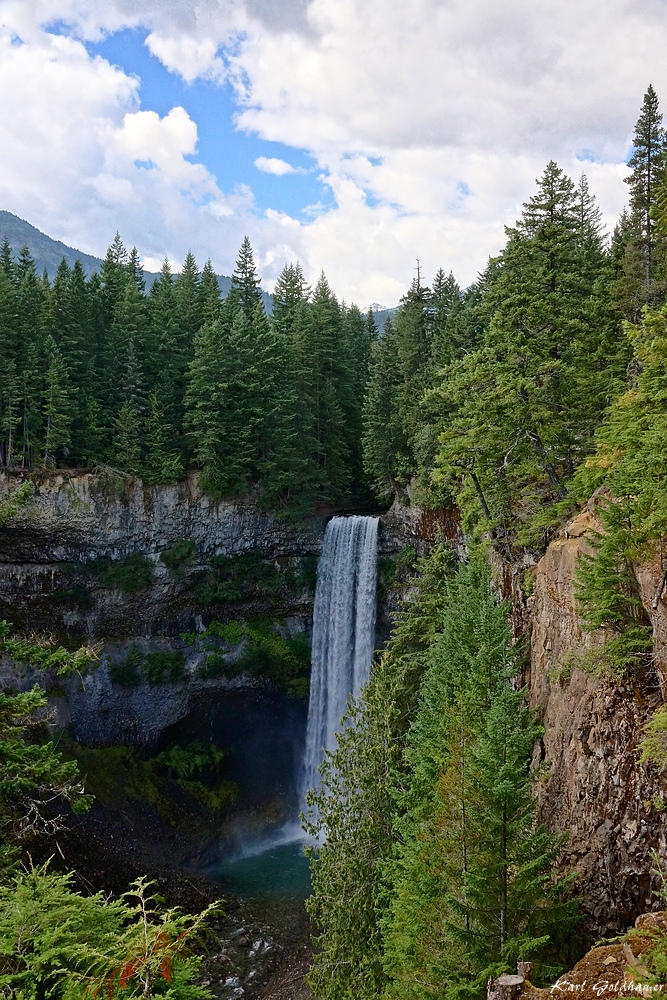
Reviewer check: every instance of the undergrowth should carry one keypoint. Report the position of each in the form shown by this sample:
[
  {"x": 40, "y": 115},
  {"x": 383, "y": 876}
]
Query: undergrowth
[{"x": 178, "y": 783}]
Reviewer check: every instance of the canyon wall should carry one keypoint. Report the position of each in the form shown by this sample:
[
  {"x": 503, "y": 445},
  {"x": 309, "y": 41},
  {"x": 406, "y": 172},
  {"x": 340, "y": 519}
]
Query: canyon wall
[
  {"x": 66, "y": 571},
  {"x": 594, "y": 788}
]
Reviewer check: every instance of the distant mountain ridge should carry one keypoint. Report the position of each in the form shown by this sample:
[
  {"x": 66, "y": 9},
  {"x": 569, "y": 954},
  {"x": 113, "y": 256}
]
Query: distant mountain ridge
[{"x": 47, "y": 253}]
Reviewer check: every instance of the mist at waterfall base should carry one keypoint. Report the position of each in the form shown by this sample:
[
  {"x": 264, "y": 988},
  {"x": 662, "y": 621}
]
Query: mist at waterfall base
[{"x": 275, "y": 866}]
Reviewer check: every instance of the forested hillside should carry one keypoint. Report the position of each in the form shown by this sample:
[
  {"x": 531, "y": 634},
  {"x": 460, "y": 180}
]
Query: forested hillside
[{"x": 511, "y": 402}]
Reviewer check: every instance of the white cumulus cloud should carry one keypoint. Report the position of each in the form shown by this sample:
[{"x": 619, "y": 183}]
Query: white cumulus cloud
[
  {"x": 274, "y": 165},
  {"x": 428, "y": 123}
]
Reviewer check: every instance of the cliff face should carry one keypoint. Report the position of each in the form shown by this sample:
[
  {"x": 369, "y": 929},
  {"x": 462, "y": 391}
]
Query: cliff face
[
  {"x": 64, "y": 570},
  {"x": 594, "y": 787},
  {"x": 56, "y": 553}
]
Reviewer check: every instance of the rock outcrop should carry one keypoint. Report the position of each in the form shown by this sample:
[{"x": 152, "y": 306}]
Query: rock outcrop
[{"x": 594, "y": 787}]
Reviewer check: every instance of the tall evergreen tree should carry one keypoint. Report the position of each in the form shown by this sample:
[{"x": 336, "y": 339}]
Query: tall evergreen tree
[
  {"x": 647, "y": 162},
  {"x": 209, "y": 294},
  {"x": 386, "y": 451},
  {"x": 324, "y": 385},
  {"x": 221, "y": 414},
  {"x": 58, "y": 404},
  {"x": 470, "y": 883},
  {"x": 289, "y": 295},
  {"x": 245, "y": 292},
  {"x": 519, "y": 414}
]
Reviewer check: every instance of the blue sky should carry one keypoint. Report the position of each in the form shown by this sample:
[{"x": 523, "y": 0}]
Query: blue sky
[
  {"x": 228, "y": 152},
  {"x": 385, "y": 131}
]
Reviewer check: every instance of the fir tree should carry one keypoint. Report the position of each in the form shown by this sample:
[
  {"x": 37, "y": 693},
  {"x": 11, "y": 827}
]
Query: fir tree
[
  {"x": 471, "y": 882},
  {"x": 160, "y": 464},
  {"x": 127, "y": 439},
  {"x": 386, "y": 452},
  {"x": 58, "y": 405},
  {"x": 209, "y": 294},
  {"x": 289, "y": 295},
  {"x": 245, "y": 293},
  {"x": 648, "y": 165}
]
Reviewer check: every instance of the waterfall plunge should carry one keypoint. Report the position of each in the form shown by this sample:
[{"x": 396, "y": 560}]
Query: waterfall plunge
[{"x": 343, "y": 632}]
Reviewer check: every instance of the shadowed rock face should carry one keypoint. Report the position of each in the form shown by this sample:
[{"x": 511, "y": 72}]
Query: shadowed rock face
[{"x": 594, "y": 787}]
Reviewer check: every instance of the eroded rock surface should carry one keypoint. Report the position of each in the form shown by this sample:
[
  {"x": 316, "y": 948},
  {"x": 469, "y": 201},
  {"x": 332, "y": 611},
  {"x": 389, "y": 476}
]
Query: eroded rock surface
[{"x": 594, "y": 787}]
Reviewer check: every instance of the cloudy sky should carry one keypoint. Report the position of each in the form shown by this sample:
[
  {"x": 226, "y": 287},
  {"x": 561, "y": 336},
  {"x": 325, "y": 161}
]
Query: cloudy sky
[{"x": 353, "y": 135}]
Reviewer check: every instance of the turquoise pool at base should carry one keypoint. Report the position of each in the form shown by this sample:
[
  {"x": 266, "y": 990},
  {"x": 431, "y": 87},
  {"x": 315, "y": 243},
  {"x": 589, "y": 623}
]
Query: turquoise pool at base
[{"x": 280, "y": 871}]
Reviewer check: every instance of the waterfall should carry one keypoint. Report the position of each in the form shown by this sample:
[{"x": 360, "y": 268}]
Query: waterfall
[{"x": 343, "y": 632}]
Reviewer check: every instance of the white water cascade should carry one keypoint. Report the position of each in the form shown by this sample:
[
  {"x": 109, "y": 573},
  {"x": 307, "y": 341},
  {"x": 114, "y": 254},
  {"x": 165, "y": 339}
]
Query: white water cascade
[{"x": 343, "y": 632}]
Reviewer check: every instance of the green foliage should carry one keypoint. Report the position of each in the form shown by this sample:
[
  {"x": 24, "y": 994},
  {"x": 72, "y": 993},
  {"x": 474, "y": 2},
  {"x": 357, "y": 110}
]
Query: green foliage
[
  {"x": 386, "y": 573},
  {"x": 642, "y": 279},
  {"x": 130, "y": 574},
  {"x": 230, "y": 632},
  {"x": 305, "y": 574},
  {"x": 260, "y": 648},
  {"x": 234, "y": 578},
  {"x": 651, "y": 972},
  {"x": 180, "y": 783},
  {"x": 433, "y": 872},
  {"x": 470, "y": 882},
  {"x": 186, "y": 761},
  {"x": 97, "y": 373},
  {"x": 216, "y": 665},
  {"x": 653, "y": 746},
  {"x": 352, "y": 814},
  {"x": 55, "y": 942},
  {"x": 283, "y": 660},
  {"x": 630, "y": 462},
  {"x": 33, "y": 775},
  {"x": 127, "y": 672},
  {"x": 161, "y": 666},
  {"x": 10, "y": 507},
  {"x": 44, "y": 655},
  {"x": 179, "y": 555},
  {"x": 164, "y": 666},
  {"x": 518, "y": 415},
  {"x": 397, "y": 568}
]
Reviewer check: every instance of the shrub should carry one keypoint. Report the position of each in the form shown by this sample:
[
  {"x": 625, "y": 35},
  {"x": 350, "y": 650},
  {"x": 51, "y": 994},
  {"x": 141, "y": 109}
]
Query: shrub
[
  {"x": 234, "y": 578},
  {"x": 230, "y": 632},
  {"x": 130, "y": 574},
  {"x": 164, "y": 667},
  {"x": 127, "y": 671},
  {"x": 178, "y": 556},
  {"x": 304, "y": 575},
  {"x": 283, "y": 660},
  {"x": 187, "y": 761}
]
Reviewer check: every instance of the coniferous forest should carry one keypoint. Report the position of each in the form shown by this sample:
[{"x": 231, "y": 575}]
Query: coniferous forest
[
  {"x": 511, "y": 401},
  {"x": 98, "y": 372}
]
